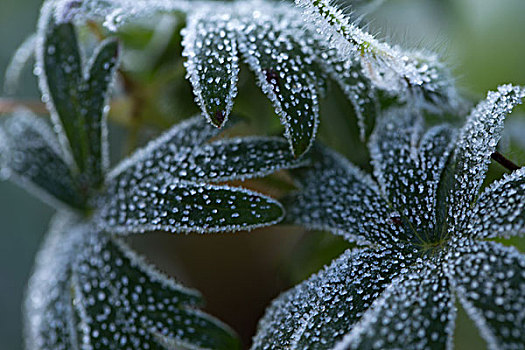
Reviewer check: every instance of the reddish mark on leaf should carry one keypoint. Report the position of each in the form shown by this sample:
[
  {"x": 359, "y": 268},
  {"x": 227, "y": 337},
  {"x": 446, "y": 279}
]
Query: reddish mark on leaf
[
  {"x": 396, "y": 220},
  {"x": 219, "y": 118},
  {"x": 272, "y": 78}
]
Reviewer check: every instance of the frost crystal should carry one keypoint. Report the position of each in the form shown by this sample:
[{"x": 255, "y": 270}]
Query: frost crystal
[
  {"x": 412, "y": 74},
  {"x": 400, "y": 291},
  {"x": 291, "y": 61},
  {"x": 89, "y": 290}
]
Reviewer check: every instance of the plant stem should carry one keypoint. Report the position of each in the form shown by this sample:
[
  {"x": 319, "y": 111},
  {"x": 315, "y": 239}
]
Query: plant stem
[
  {"x": 8, "y": 105},
  {"x": 505, "y": 162}
]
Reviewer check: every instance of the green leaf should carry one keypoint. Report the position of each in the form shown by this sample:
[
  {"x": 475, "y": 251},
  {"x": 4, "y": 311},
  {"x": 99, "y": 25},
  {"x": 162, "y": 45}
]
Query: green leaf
[
  {"x": 90, "y": 290},
  {"x": 238, "y": 159},
  {"x": 77, "y": 98},
  {"x": 60, "y": 81},
  {"x": 336, "y": 196},
  {"x": 415, "y": 77},
  {"x": 119, "y": 294},
  {"x": 181, "y": 152},
  {"x": 409, "y": 167},
  {"x": 285, "y": 72},
  {"x": 33, "y": 157},
  {"x": 150, "y": 190},
  {"x": 489, "y": 279},
  {"x": 211, "y": 49},
  {"x": 415, "y": 312},
  {"x": 173, "y": 146},
  {"x": 477, "y": 141},
  {"x": 101, "y": 72},
  {"x": 165, "y": 203},
  {"x": 320, "y": 311},
  {"x": 500, "y": 209},
  {"x": 289, "y": 56},
  {"x": 359, "y": 90},
  {"x": 48, "y": 308}
]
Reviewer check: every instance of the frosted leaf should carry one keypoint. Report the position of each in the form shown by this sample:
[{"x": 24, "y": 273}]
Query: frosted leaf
[
  {"x": 59, "y": 58},
  {"x": 48, "y": 307},
  {"x": 32, "y": 156},
  {"x": 77, "y": 98},
  {"x": 222, "y": 160},
  {"x": 210, "y": 47},
  {"x": 490, "y": 282},
  {"x": 150, "y": 190},
  {"x": 114, "y": 14},
  {"x": 500, "y": 209},
  {"x": 409, "y": 168},
  {"x": 286, "y": 73},
  {"x": 292, "y": 68},
  {"x": 357, "y": 87},
  {"x": 415, "y": 175},
  {"x": 180, "y": 139},
  {"x": 238, "y": 159},
  {"x": 338, "y": 197},
  {"x": 119, "y": 293},
  {"x": 435, "y": 149},
  {"x": 477, "y": 141},
  {"x": 165, "y": 203},
  {"x": 321, "y": 310},
  {"x": 413, "y": 76},
  {"x": 416, "y": 311},
  {"x": 101, "y": 72},
  {"x": 18, "y": 62},
  {"x": 91, "y": 291}
]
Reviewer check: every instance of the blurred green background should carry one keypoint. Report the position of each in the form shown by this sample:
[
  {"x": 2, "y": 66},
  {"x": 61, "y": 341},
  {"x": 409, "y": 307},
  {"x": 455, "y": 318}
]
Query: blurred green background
[{"x": 484, "y": 43}]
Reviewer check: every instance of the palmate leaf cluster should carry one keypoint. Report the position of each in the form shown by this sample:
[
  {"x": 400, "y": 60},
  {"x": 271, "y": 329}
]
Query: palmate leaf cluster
[
  {"x": 89, "y": 289},
  {"x": 292, "y": 62},
  {"x": 424, "y": 227},
  {"x": 424, "y": 230}
]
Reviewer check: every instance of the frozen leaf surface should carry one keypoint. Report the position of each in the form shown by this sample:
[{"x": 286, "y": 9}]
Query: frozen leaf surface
[
  {"x": 500, "y": 210},
  {"x": 286, "y": 73},
  {"x": 357, "y": 87},
  {"x": 477, "y": 141},
  {"x": 77, "y": 97},
  {"x": 33, "y": 157},
  {"x": 211, "y": 49},
  {"x": 409, "y": 169},
  {"x": 240, "y": 158},
  {"x": 434, "y": 256},
  {"x": 180, "y": 139},
  {"x": 423, "y": 78},
  {"x": 321, "y": 310},
  {"x": 168, "y": 204},
  {"x": 291, "y": 61},
  {"x": 416, "y": 311},
  {"x": 218, "y": 161},
  {"x": 90, "y": 290},
  {"x": 338, "y": 197},
  {"x": 163, "y": 186},
  {"x": 490, "y": 281}
]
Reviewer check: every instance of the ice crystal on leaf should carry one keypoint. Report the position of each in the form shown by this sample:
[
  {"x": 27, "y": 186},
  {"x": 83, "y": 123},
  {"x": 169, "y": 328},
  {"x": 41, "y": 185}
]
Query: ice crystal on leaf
[
  {"x": 89, "y": 290},
  {"x": 413, "y": 74},
  {"x": 425, "y": 229},
  {"x": 291, "y": 61}
]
